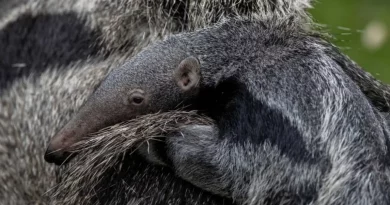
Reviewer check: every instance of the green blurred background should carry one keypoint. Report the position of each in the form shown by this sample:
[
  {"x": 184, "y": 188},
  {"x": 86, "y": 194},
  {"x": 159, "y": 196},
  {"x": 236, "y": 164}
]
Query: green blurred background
[{"x": 361, "y": 28}]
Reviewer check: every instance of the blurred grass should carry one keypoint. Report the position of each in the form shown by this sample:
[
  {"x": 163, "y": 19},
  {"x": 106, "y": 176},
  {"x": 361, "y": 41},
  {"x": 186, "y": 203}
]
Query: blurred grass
[{"x": 348, "y": 20}]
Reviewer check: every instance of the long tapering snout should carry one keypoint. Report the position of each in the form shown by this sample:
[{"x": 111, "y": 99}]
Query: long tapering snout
[
  {"x": 113, "y": 101},
  {"x": 60, "y": 149},
  {"x": 92, "y": 117}
]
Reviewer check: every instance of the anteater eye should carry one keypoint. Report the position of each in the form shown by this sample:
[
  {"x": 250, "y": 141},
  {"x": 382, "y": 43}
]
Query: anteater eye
[
  {"x": 137, "y": 97},
  {"x": 137, "y": 100}
]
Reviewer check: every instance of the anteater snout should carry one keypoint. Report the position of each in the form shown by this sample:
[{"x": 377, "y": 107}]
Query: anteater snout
[
  {"x": 57, "y": 157},
  {"x": 59, "y": 148}
]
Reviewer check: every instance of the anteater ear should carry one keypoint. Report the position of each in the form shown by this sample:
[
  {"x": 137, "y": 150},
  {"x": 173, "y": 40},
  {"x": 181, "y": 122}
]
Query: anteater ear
[{"x": 187, "y": 74}]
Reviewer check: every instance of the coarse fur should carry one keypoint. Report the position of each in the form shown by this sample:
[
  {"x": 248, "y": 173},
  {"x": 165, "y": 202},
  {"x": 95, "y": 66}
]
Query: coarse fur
[
  {"x": 102, "y": 28},
  {"x": 32, "y": 108},
  {"x": 111, "y": 149},
  {"x": 44, "y": 80},
  {"x": 120, "y": 26},
  {"x": 282, "y": 107}
]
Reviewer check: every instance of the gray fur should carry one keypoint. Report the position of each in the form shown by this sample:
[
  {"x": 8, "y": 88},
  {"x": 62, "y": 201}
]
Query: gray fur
[
  {"x": 376, "y": 91},
  {"x": 107, "y": 151},
  {"x": 344, "y": 134},
  {"x": 36, "y": 103},
  {"x": 39, "y": 98},
  {"x": 342, "y": 130},
  {"x": 34, "y": 107}
]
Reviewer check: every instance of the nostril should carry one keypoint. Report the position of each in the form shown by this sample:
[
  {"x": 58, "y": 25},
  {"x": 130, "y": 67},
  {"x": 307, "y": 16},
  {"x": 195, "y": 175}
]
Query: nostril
[
  {"x": 51, "y": 155},
  {"x": 61, "y": 148},
  {"x": 57, "y": 157}
]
